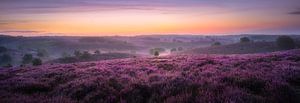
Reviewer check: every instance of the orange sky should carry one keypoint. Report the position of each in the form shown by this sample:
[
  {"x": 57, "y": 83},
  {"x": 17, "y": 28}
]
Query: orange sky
[{"x": 91, "y": 21}]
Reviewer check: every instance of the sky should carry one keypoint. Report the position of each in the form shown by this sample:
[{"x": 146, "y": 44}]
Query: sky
[{"x": 146, "y": 17}]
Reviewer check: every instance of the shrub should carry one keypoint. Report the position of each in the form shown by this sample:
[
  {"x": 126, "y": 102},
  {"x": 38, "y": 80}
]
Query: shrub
[
  {"x": 27, "y": 58},
  {"x": 216, "y": 44},
  {"x": 285, "y": 42},
  {"x": 244, "y": 40},
  {"x": 36, "y": 62}
]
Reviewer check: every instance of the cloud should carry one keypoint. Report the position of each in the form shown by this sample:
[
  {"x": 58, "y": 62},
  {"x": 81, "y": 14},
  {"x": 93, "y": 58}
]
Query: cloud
[
  {"x": 21, "y": 31},
  {"x": 296, "y": 12},
  {"x": 50, "y": 6}
]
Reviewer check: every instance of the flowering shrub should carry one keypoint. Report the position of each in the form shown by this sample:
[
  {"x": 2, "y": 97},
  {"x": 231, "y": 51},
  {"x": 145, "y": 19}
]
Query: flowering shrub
[{"x": 271, "y": 78}]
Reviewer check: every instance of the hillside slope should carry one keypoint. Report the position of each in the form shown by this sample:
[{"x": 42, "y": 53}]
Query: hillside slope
[
  {"x": 271, "y": 78},
  {"x": 238, "y": 48}
]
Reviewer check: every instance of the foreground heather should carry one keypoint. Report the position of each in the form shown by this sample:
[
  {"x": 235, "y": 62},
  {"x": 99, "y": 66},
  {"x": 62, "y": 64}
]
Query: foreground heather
[{"x": 260, "y": 78}]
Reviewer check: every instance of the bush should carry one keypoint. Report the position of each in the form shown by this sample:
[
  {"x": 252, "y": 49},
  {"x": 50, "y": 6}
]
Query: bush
[
  {"x": 27, "y": 58},
  {"x": 36, "y": 62},
  {"x": 285, "y": 42},
  {"x": 244, "y": 40},
  {"x": 216, "y": 44}
]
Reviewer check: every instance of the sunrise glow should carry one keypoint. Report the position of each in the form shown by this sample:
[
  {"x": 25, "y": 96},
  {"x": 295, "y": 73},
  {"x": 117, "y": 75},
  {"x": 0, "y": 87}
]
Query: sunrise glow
[{"x": 31, "y": 17}]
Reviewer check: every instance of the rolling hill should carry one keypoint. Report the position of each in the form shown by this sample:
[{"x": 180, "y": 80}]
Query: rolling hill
[
  {"x": 238, "y": 48},
  {"x": 272, "y": 78}
]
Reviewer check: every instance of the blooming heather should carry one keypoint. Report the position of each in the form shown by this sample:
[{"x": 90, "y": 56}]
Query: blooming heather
[{"x": 255, "y": 78}]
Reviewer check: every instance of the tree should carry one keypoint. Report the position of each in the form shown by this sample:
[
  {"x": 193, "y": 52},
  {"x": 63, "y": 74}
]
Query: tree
[
  {"x": 36, "y": 62},
  {"x": 42, "y": 53},
  {"x": 244, "y": 40},
  {"x": 152, "y": 51},
  {"x": 285, "y": 42},
  {"x": 85, "y": 55},
  {"x": 8, "y": 65},
  {"x": 156, "y": 53},
  {"x": 173, "y": 50},
  {"x": 180, "y": 49},
  {"x": 216, "y": 44},
  {"x": 97, "y": 52},
  {"x": 77, "y": 53},
  {"x": 65, "y": 54},
  {"x": 3, "y": 49},
  {"x": 5, "y": 58},
  {"x": 27, "y": 58}
]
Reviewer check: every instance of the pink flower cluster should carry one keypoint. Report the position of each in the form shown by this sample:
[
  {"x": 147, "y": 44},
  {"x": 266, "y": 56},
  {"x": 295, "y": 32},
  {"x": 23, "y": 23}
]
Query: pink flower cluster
[{"x": 255, "y": 78}]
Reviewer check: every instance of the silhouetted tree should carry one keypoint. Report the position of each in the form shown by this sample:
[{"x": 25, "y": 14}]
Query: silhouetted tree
[
  {"x": 285, "y": 42},
  {"x": 5, "y": 58},
  {"x": 97, "y": 52},
  {"x": 65, "y": 54},
  {"x": 216, "y": 44},
  {"x": 156, "y": 53},
  {"x": 3, "y": 49},
  {"x": 85, "y": 55},
  {"x": 180, "y": 49},
  {"x": 42, "y": 53},
  {"x": 152, "y": 51},
  {"x": 36, "y": 62},
  {"x": 173, "y": 50},
  {"x": 77, "y": 53},
  {"x": 244, "y": 40},
  {"x": 8, "y": 65},
  {"x": 27, "y": 58}
]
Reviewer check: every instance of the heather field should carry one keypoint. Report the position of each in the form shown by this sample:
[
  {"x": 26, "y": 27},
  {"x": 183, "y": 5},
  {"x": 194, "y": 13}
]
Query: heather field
[{"x": 249, "y": 78}]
